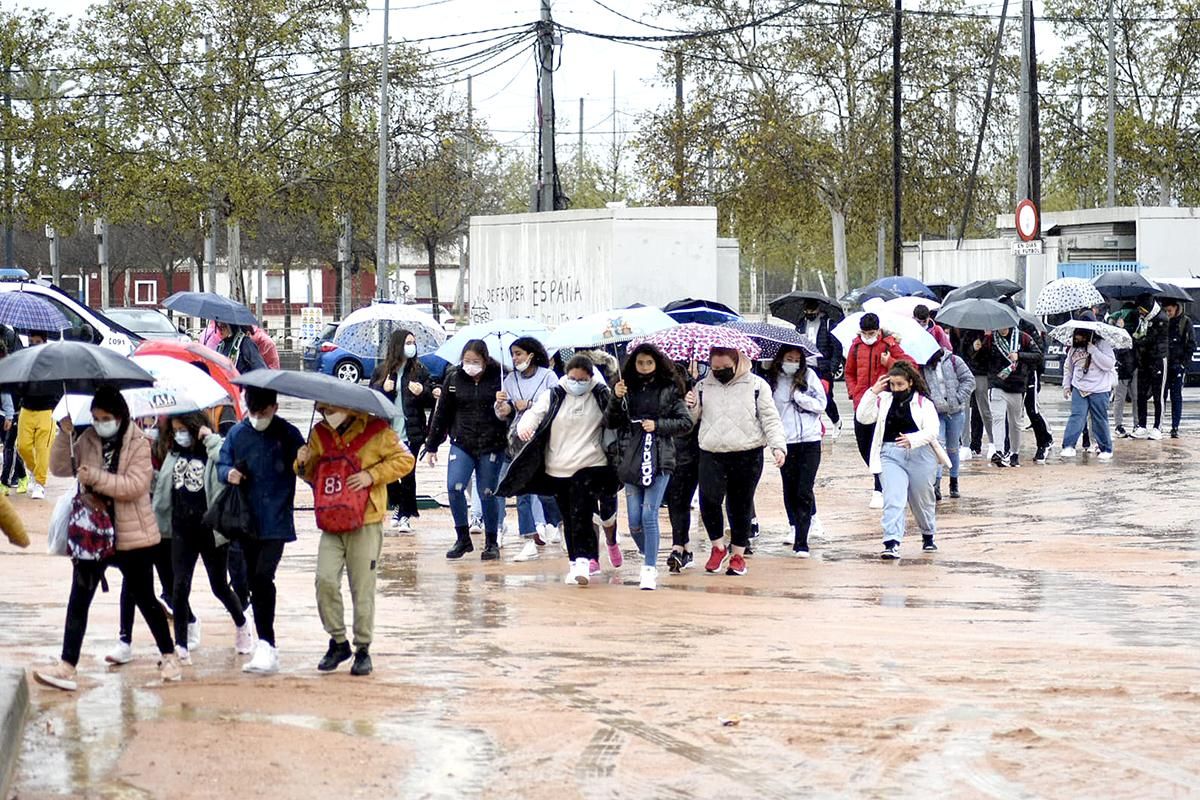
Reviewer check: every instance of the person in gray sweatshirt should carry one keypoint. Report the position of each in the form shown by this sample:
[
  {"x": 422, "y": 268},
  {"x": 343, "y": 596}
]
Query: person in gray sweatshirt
[
  {"x": 1089, "y": 375},
  {"x": 951, "y": 385}
]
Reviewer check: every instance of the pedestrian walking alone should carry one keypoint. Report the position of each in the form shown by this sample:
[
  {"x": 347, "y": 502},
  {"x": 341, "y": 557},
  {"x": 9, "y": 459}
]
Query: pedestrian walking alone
[
  {"x": 951, "y": 387},
  {"x": 800, "y": 398},
  {"x": 1089, "y": 375},
  {"x": 35, "y": 428},
  {"x": 647, "y": 412},
  {"x": 407, "y": 383},
  {"x": 905, "y": 452}
]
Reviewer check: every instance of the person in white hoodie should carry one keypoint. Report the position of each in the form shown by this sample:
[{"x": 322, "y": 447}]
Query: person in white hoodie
[
  {"x": 564, "y": 456},
  {"x": 737, "y": 419},
  {"x": 800, "y": 398},
  {"x": 905, "y": 452}
]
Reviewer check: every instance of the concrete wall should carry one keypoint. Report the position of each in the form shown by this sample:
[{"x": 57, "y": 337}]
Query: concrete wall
[
  {"x": 1169, "y": 246},
  {"x": 729, "y": 271},
  {"x": 560, "y": 265}
]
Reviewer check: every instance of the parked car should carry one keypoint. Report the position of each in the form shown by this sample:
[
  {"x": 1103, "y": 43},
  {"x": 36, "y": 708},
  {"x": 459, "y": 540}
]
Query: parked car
[
  {"x": 147, "y": 323},
  {"x": 103, "y": 331},
  {"x": 322, "y": 355}
]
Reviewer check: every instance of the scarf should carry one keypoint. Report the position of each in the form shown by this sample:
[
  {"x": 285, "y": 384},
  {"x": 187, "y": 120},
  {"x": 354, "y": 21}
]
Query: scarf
[{"x": 1006, "y": 347}]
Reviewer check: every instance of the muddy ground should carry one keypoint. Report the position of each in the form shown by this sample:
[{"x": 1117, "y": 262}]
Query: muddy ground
[{"x": 1050, "y": 649}]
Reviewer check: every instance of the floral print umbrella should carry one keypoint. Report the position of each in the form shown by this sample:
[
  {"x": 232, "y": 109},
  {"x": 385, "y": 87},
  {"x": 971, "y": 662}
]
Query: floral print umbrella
[
  {"x": 1067, "y": 294},
  {"x": 694, "y": 342},
  {"x": 770, "y": 338},
  {"x": 365, "y": 332}
]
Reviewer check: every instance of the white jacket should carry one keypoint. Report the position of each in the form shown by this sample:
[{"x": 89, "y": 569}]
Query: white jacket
[
  {"x": 873, "y": 410},
  {"x": 575, "y": 434},
  {"x": 739, "y": 415},
  {"x": 800, "y": 411}
]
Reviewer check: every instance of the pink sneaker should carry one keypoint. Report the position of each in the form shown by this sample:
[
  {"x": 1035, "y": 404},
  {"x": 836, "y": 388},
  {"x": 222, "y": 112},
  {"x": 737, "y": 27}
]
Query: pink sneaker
[
  {"x": 593, "y": 567},
  {"x": 614, "y": 555}
]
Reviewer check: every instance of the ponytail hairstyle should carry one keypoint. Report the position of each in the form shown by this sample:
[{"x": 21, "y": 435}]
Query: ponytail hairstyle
[{"x": 903, "y": 369}]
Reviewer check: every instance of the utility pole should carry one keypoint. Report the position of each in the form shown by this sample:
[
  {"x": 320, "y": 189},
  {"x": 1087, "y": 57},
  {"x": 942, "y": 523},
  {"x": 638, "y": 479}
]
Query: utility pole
[
  {"x": 678, "y": 143},
  {"x": 9, "y": 214},
  {"x": 346, "y": 228},
  {"x": 1112, "y": 109},
  {"x": 897, "y": 240},
  {"x": 546, "y": 182},
  {"x": 101, "y": 226},
  {"x": 579, "y": 152},
  {"x": 1024, "y": 122},
  {"x": 55, "y": 263},
  {"x": 381, "y": 255},
  {"x": 210, "y": 214}
]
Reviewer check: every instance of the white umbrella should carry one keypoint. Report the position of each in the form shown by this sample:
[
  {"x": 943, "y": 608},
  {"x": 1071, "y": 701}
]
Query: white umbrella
[
  {"x": 1117, "y": 337},
  {"x": 915, "y": 340},
  {"x": 179, "y": 387},
  {"x": 609, "y": 327},
  {"x": 1067, "y": 294},
  {"x": 902, "y": 306}
]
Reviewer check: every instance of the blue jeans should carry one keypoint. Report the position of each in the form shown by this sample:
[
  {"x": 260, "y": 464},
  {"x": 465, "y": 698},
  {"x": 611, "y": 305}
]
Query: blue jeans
[
  {"x": 950, "y": 429},
  {"x": 908, "y": 481},
  {"x": 459, "y": 470},
  {"x": 528, "y": 506},
  {"x": 1175, "y": 379},
  {"x": 643, "y": 503},
  {"x": 1095, "y": 405}
]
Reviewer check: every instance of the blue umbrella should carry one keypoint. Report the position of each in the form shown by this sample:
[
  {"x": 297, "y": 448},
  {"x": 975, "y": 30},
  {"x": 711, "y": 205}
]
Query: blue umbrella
[
  {"x": 30, "y": 312},
  {"x": 772, "y": 337},
  {"x": 903, "y": 286},
  {"x": 705, "y": 312},
  {"x": 208, "y": 305},
  {"x": 498, "y": 335}
]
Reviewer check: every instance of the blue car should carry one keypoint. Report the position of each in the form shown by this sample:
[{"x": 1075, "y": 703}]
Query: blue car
[{"x": 322, "y": 355}]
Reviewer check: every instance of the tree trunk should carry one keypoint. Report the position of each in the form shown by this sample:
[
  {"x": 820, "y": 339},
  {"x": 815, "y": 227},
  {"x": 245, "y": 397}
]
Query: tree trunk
[
  {"x": 880, "y": 249},
  {"x": 431, "y": 251},
  {"x": 237, "y": 286},
  {"x": 1164, "y": 189},
  {"x": 287, "y": 299},
  {"x": 840, "y": 262},
  {"x": 198, "y": 266}
]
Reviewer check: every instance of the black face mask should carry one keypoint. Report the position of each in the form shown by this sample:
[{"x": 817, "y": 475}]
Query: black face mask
[
  {"x": 811, "y": 315},
  {"x": 724, "y": 375},
  {"x": 1081, "y": 342},
  {"x": 901, "y": 397}
]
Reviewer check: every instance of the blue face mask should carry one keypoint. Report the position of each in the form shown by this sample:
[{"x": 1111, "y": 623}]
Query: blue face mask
[{"x": 577, "y": 388}]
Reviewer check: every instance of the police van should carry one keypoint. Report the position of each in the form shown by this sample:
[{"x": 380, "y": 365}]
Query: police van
[{"x": 83, "y": 322}]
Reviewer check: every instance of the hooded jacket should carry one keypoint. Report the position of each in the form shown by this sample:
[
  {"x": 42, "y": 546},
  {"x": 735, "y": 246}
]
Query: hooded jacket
[
  {"x": 383, "y": 456},
  {"x": 800, "y": 411},
  {"x": 866, "y": 363},
  {"x": 1181, "y": 342},
  {"x": 950, "y": 383},
  {"x": 671, "y": 419},
  {"x": 576, "y": 437},
  {"x": 875, "y": 407},
  {"x": 266, "y": 461},
  {"x": 466, "y": 413},
  {"x": 128, "y": 487},
  {"x": 739, "y": 415}
]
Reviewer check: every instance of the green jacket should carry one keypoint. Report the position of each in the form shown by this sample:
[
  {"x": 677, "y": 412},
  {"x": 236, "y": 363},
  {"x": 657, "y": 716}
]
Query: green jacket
[{"x": 212, "y": 485}]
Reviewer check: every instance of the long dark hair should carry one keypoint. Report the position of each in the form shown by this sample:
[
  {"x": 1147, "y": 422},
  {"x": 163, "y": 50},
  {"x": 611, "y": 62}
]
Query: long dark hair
[
  {"x": 479, "y": 347},
  {"x": 193, "y": 421},
  {"x": 903, "y": 369},
  {"x": 665, "y": 373},
  {"x": 395, "y": 358},
  {"x": 536, "y": 350},
  {"x": 800, "y": 379},
  {"x": 109, "y": 398}
]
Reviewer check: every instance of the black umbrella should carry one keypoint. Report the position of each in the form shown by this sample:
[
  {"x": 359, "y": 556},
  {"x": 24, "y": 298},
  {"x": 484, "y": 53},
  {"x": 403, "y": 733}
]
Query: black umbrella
[
  {"x": 208, "y": 305},
  {"x": 791, "y": 307},
  {"x": 76, "y": 367},
  {"x": 1169, "y": 291},
  {"x": 941, "y": 289},
  {"x": 1123, "y": 285},
  {"x": 318, "y": 387},
  {"x": 978, "y": 314},
  {"x": 991, "y": 289}
]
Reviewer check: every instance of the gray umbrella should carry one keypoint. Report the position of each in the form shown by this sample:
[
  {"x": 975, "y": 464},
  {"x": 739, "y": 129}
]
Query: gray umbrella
[
  {"x": 208, "y": 305},
  {"x": 74, "y": 367},
  {"x": 977, "y": 314},
  {"x": 320, "y": 388}
]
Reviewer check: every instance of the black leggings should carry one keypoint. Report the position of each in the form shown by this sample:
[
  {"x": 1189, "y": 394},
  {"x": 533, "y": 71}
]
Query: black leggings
[
  {"x": 164, "y": 566},
  {"x": 262, "y": 559},
  {"x": 799, "y": 476},
  {"x": 863, "y": 436},
  {"x": 137, "y": 571},
  {"x": 680, "y": 491},
  {"x": 578, "y": 500},
  {"x": 402, "y": 495},
  {"x": 729, "y": 480},
  {"x": 186, "y": 547},
  {"x": 1150, "y": 384}
]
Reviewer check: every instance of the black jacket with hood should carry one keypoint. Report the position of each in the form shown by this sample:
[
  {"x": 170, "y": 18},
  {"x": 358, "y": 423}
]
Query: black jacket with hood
[{"x": 466, "y": 413}]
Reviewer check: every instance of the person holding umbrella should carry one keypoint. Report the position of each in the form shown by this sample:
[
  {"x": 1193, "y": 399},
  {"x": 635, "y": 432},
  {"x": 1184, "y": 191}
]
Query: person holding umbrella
[
  {"x": 238, "y": 347},
  {"x": 1008, "y": 354},
  {"x": 1181, "y": 344},
  {"x": 816, "y": 327},
  {"x": 111, "y": 462},
  {"x": 405, "y": 381},
  {"x": 372, "y": 446},
  {"x": 951, "y": 386},
  {"x": 35, "y": 427},
  {"x": 1089, "y": 374},
  {"x": 1150, "y": 350},
  {"x": 800, "y": 398}
]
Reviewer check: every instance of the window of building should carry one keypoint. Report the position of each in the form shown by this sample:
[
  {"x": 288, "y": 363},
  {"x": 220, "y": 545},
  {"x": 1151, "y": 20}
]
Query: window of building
[
  {"x": 274, "y": 287},
  {"x": 145, "y": 293}
]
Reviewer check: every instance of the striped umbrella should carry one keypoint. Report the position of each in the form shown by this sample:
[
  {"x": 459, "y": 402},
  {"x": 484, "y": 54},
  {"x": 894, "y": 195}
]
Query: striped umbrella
[{"x": 694, "y": 342}]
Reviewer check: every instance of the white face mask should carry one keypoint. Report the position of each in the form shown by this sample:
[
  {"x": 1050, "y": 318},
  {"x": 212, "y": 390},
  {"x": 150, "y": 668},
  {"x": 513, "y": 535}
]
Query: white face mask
[
  {"x": 151, "y": 433},
  {"x": 790, "y": 367},
  {"x": 521, "y": 366},
  {"x": 410, "y": 351},
  {"x": 871, "y": 339},
  {"x": 336, "y": 418},
  {"x": 473, "y": 370},
  {"x": 106, "y": 429},
  {"x": 260, "y": 424},
  {"x": 183, "y": 438},
  {"x": 577, "y": 388}
]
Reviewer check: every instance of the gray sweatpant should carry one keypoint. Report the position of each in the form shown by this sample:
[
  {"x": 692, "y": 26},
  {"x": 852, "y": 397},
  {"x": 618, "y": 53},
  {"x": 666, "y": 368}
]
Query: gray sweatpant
[
  {"x": 1124, "y": 388},
  {"x": 1010, "y": 407},
  {"x": 981, "y": 402}
]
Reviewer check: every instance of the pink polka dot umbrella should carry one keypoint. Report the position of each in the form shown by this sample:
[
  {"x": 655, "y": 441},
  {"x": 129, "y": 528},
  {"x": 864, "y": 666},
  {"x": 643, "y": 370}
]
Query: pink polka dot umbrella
[{"x": 694, "y": 342}]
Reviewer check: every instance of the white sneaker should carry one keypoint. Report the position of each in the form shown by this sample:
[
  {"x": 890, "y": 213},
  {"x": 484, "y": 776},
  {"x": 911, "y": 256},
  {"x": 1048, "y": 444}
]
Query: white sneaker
[
  {"x": 244, "y": 643},
  {"x": 265, "y": 660},
  {"x": 1105, "y": 456},
  {"x": 836, "y": 432},
  {"x": 476, "y": 526},
  {"x": 185, "y": 657},
  {"x": 554, "y": 535},
  {"x": 530, "y": 552},
  {"x": 991, "y": 451},
  {"x": 876, "y": 500},
  {"x": 815, "y": 528},
  {"x": 122, "y": 653},
  {"x": 1067, "y": 452},
  {"x": 1155, "y": 434},
  {"x": 964, "y": 454},
  {"x": 649, "y": 578},
  {"x": 1140, "y": 433},
  {"x": 404, "y": 525},
  {"x": 193, "y": 635},
  {"x": 38, "y": 492},
  {"x": 583, "y": 571}
]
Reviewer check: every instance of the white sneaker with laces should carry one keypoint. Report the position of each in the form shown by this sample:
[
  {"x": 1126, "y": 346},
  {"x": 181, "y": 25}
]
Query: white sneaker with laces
[
  {"x": 244, "y": 643},
  {"x": 476, "y": 526},
  {"x": 122, "y": 653},
  {"x": 530, "y": 552},
  {"x": 1105, "y": 456},
  {"x": 1155, "y": 434},
  {"x": 38, "y": 492},
  {"x": 1140, "y": 433},
  {"x": 583, "y": 571},
  {"x": 876, "y": 500},
  {"x": 572, "y": 571},
  {"x": 815, "y": 527},
  {"x": 964, "y": 454},
  {"x": 185, "y": 657},
  {"x": 193, "y": 635},
  {"x": 1067, "y": 452},
  {"x": 265, "y": 660},
  {"x": 649, "y": 579},
  {"x": 405, "y": 525}
]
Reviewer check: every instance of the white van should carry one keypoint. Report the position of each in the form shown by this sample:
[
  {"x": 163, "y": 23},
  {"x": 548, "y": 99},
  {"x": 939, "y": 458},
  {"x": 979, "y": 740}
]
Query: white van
[{"x": 104, "y": 331}]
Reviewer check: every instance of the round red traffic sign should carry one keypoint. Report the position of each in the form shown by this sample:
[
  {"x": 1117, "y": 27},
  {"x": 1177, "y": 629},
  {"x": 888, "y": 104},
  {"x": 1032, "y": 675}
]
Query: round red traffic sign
[{"x": 1029, "y": 222}]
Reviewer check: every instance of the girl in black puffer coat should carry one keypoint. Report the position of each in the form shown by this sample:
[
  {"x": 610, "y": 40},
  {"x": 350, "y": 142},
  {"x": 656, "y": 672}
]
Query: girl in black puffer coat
[
  {"x": 407, "y": 383},
  {"x": 647, "y": 414}
]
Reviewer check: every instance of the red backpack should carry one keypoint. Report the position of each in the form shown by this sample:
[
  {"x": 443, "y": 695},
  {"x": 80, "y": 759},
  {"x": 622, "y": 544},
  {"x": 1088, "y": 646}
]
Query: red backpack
[{"x": 338, "y": 508}]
